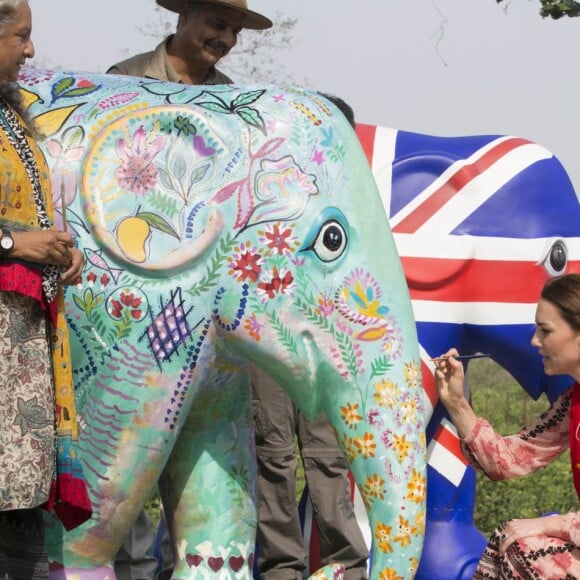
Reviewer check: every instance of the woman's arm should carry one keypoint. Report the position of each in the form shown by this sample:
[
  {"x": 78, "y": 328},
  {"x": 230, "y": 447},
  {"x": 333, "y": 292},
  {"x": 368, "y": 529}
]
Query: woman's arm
[
  {"x": 566, "y": 527},
  {"x": 43, "y": 247},
  {"x": 450, "y": 379},
  {"x": 502, "y": 457}
]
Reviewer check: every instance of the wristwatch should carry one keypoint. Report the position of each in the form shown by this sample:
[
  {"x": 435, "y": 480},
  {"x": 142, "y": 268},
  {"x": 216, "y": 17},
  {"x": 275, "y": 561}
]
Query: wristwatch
[{"x": 6, "y": 243}]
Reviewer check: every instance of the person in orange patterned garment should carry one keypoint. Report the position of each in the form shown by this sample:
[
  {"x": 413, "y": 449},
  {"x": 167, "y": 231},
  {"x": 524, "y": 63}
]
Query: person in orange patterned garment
[
  {"x": 549, "y": 546},
  {"x": 39, "y": 468}
]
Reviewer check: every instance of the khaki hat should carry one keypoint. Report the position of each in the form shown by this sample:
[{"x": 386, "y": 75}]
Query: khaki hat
[{"x": 252, "y": 20}]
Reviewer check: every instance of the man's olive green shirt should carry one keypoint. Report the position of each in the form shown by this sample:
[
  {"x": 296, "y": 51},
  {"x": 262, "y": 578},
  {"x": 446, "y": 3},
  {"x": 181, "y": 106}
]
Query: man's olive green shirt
[{"x": 156, "y": 65}]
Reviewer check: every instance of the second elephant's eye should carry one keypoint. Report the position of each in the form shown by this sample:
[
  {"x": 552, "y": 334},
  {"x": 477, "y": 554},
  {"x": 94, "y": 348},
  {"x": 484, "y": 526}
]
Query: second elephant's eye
[
  {"x": 556, "y": 259},
  {"x": 330, "y": 242}
]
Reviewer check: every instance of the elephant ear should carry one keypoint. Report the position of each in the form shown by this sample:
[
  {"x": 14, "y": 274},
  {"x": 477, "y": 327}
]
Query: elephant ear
[{"x": 142, "y": 207}]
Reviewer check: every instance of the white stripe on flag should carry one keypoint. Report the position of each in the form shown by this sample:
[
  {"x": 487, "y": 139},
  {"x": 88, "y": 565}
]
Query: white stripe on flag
[
  {"x": 480, "y": 313},
  {"x": 444, "y": 460},
  {"x": 382, "y": 163}
]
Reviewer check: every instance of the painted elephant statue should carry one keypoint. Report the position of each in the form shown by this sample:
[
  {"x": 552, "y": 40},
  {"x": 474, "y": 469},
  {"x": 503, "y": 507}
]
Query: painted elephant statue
[
  {"x": 221, "y": 226},
  {"x": 480, "y": 223}
]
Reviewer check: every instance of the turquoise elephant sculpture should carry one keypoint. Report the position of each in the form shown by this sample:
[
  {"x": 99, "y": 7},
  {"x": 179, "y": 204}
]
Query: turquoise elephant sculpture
[{"x": 224, "y": 226}]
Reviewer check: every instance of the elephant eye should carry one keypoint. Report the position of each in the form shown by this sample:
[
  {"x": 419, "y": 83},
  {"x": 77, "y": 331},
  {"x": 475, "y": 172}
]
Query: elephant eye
[
  {"x": 330, "y": 242},
  {"x": 556, "y": 259}
]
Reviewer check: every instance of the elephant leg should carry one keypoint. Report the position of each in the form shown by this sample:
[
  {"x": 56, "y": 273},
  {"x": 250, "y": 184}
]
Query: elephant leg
[{"x": 208, "y": 490}]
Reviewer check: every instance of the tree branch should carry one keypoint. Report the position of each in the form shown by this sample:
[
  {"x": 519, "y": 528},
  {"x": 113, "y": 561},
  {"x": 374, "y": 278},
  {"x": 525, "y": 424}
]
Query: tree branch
[{"x": 557, "y": 8}]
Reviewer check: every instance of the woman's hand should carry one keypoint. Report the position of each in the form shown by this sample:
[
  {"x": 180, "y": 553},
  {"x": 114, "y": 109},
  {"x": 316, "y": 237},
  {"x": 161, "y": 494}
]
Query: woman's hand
[
  {"x": 44, "y": 247},
  {"x": 73, "y": 273},
  {"x": 555, "y": 526},
  {"x": 450, "y": 379}
]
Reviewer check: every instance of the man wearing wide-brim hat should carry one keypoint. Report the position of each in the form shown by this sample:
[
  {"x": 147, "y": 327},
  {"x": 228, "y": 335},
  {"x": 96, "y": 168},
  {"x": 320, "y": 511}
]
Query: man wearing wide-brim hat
[{"x": 206, "y": 32}]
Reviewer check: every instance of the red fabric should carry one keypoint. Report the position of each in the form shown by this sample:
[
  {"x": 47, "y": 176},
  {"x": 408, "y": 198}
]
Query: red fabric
[
  {"x": 575, "y": 436},
  {"x": 26, "y": 280},
  {"x": 69, "y": 500}
]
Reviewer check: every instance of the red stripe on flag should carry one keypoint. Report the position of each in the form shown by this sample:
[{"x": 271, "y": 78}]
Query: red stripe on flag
[
  {"x": 450, "y": 441},
  {"x": 366, "y": 135},
  {"x": 455, "y": 183},
  {"x": 453, "y": 280},
  {"x": 429, "y": 383}
]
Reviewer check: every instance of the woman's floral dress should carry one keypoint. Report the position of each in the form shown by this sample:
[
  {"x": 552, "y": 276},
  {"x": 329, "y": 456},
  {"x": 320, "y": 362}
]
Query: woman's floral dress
[{"x": 535, "y": 446}]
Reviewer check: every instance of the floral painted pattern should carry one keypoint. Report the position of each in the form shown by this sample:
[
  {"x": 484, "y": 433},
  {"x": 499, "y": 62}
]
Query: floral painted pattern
[{"x": 219, "y": 227}]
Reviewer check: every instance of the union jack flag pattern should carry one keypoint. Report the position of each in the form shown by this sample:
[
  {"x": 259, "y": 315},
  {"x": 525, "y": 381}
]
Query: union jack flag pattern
[{"x": 480, "y": 223}]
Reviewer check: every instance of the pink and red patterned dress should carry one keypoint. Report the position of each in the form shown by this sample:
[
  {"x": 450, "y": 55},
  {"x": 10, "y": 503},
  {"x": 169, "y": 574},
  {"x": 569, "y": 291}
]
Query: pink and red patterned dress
[{"x": 535, "y": 446}]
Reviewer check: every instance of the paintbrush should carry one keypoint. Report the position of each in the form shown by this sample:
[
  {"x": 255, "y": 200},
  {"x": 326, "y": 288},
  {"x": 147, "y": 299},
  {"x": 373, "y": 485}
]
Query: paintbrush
[
  {"x": 461, "y": 357},
  {"x": 63, "y": 206}
]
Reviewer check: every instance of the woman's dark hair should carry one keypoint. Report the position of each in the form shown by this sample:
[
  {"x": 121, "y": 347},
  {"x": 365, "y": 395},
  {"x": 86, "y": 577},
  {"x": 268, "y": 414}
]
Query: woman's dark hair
[
  {"x": 564, "y": 293},
  {"x": 343, "y": 106}
]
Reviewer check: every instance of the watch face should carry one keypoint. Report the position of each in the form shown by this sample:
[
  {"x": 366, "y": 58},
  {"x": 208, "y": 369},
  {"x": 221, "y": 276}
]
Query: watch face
[{"x": 6, "y": 243}]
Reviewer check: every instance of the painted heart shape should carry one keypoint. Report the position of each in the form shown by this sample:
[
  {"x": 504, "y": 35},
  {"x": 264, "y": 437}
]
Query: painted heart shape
[
  {"x": 193, "y": 560},
  {"x": 215, "y": 563},
  {"x": 200, "y": 147},
  {"x": 236, "y": 563}
]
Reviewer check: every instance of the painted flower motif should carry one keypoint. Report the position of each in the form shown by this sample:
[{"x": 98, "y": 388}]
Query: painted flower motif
[
  {"x": 375, "y": 419},
  {"x": 65, "y": 151},
  {"x": 409, "y": 411},
  {"x": 253, "y": 327},
  {"x": 412, "y": 374},
  {"x": 105, "y": 279},
  {"x": 366, "y": 445},
  {"x": 349, "y": 448},
  {"x": 128, "y": 304},
  {"x": 279, "y": 240},
  {"x": 383, "y": 538},
  {"x": 276, "y": 282},
  {"x": 387, "y": 394},
  {"x": 282, "y": 190},
  {"x": 350, "y": 415},
  {"x": 389, "y": 574},
  {"x": 374, "y": 488},
  {"x": 416, "y": 488},
  {"x": 360, "y": 298},
  {"x": 137, "y": 172},
  {"x": 401, "y": 446},
  {"x": 91, "y": 278},
  {"x": 403, "y": 535},
  {"x": 325, "y": 306},
  {"x": 246, "y": 263}
]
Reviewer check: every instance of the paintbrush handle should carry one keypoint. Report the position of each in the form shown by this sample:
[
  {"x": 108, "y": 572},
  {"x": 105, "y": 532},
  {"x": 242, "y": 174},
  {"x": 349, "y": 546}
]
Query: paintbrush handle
[{"x": 462, "y": 357}]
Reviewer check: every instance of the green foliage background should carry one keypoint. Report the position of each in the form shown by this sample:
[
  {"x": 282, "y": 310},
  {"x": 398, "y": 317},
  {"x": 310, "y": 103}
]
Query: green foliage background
[{"x": 498, "y": 397}]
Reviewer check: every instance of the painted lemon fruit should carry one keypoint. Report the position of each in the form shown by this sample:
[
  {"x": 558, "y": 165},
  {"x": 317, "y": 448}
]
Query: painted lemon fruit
[{"x": 133, "y": 233}]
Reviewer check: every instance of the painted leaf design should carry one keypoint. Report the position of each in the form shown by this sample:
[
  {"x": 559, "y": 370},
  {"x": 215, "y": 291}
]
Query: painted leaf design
[
  {"x": 226, "y": 192},
  {"x": 52, "y": 121},
  {"x": 159, "y": 223},
  {"x": 213, "y": 106},
  {"x": 200, "y": 171},
  {"x": 247, "y": 98},
  {"x": 268, "y": 148},
  {"x": 60, "y": 87},
  {"x": 252, "y": 117},
  {"x": 28, "y": 97},
  {"x": 178, "y": 167},
  {"x": 163, "y": 89},
  {"x": 80, "y": 91},
  {"x": 245, "y": 204}
]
